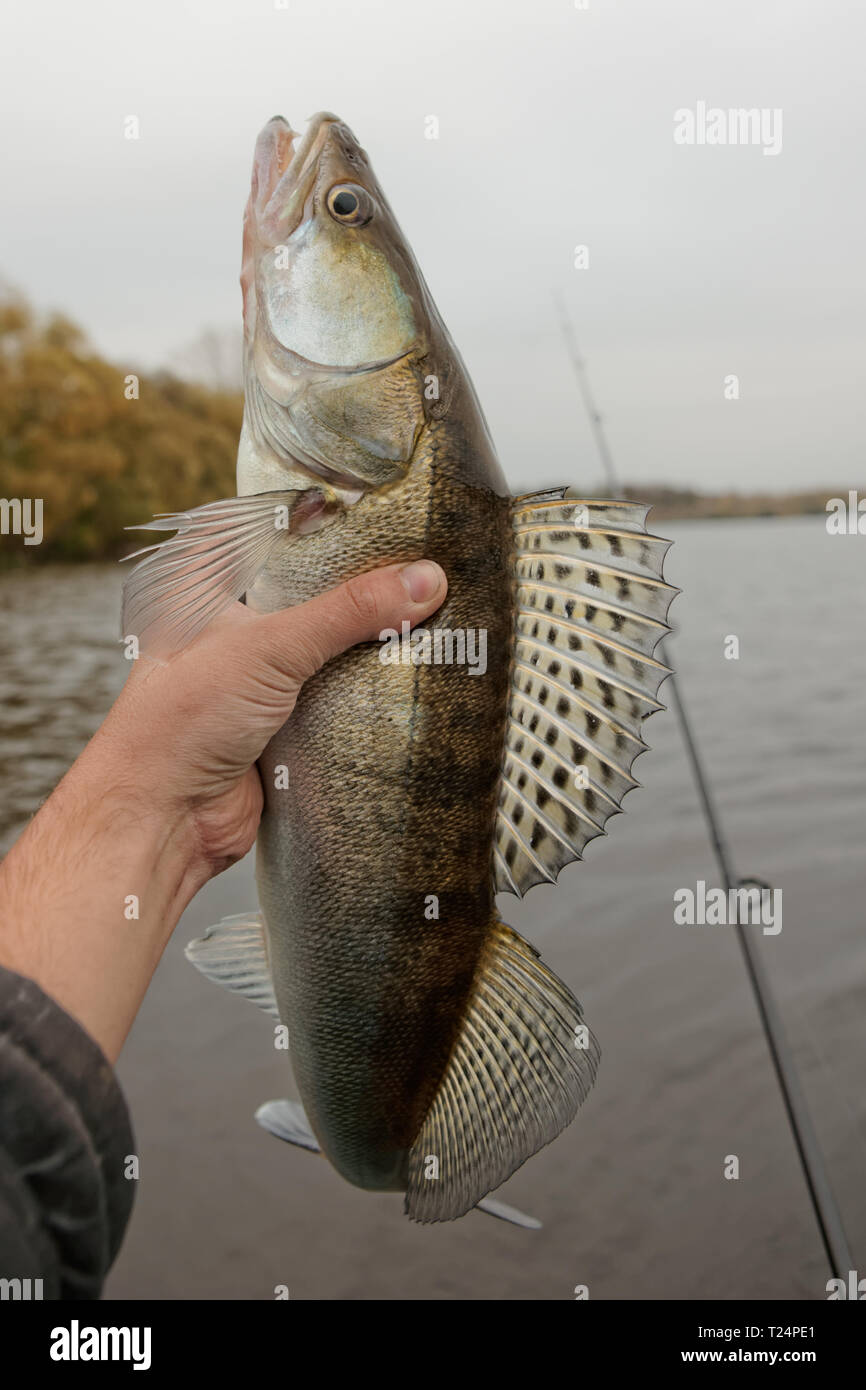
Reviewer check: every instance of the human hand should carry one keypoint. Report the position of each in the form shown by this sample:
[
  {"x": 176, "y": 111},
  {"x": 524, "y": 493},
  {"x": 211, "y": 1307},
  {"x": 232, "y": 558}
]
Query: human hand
[
  {"x": 167, "y": 794},
  {"x": 207, "y": 714}
]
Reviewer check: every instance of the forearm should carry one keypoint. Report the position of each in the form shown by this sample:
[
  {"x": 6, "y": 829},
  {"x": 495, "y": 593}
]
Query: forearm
[{"x": 93, "y": 889}]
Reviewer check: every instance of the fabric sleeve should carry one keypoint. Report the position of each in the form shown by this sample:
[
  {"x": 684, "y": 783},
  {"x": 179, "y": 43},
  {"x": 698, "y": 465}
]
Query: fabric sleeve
[{"x": 65, "y": 1135}]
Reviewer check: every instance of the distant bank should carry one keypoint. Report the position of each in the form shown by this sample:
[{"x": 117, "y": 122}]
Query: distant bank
[
  {"x": 675, "y": 504},
  {"x": 99, "y": 446},
  {"x": 89, "y": 447}
]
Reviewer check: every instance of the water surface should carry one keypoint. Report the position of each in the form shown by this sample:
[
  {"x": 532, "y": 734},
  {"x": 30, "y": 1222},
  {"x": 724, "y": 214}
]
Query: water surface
[{"x": 633, "y": 1196}]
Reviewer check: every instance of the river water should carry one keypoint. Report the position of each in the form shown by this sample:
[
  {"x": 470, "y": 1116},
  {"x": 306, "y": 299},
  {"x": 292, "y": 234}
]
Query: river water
[{"x": 633, "y": 1196}]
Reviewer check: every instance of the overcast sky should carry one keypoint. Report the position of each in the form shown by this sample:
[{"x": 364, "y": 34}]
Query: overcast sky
[{"x": 556, "y": 129}]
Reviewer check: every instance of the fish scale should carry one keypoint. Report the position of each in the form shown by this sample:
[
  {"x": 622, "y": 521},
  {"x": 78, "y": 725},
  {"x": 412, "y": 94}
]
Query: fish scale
[{"x": 354, "y": 883}]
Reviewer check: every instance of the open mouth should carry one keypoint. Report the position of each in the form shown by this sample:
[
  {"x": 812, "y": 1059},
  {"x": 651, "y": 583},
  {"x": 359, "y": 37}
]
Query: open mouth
[
  {"x": 300, "y": 147},
  {"x": 298, "y": 160}
]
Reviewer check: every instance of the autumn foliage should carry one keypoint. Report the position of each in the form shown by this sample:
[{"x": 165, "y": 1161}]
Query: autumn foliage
[{"x": 101, "y": 461}]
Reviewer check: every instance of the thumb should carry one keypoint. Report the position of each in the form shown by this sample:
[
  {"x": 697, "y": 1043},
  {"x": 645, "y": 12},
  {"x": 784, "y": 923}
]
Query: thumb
[{"x": 298, "y": 641}]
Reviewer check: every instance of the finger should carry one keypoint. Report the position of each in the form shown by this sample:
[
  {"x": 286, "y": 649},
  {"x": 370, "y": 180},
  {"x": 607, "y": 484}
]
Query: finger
[{"x": 298, "y": 641}]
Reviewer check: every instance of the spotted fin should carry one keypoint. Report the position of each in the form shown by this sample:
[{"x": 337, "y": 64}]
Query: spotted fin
[
  {"x": 591, "y": 605},
  {"x": 234, "y": 954},
  {"x": 520, "y": 1068}
]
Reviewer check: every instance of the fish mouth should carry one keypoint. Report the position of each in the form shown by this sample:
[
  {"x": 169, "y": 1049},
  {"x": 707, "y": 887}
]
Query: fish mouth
[
  {"x": 304, "y": 147},
  {"x": 298, "y": 162},
  {"x": 287, "y": 167}
]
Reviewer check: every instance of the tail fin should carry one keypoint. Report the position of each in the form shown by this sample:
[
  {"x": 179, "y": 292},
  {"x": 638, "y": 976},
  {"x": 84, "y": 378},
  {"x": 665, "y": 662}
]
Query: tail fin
[
  {"x": 522, "y": 1064},
  {"x": 285, "y": 1119}
]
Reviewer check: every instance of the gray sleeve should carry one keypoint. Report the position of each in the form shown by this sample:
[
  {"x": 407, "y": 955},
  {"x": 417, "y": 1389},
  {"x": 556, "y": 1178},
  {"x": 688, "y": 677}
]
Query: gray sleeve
[{"x": 64, "y": 1137}]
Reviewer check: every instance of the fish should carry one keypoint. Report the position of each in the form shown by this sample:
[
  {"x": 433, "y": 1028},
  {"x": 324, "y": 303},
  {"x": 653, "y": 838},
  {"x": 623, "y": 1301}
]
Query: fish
[{"x": 433, "y": 1050}]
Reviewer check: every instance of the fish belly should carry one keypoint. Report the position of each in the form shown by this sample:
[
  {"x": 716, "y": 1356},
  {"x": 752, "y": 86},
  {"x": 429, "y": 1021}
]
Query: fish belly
[{"x": 374, "y": 862}]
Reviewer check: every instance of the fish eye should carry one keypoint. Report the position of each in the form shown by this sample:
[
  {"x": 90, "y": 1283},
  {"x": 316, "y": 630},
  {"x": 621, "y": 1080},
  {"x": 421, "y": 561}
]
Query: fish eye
[{"x": 350, "y": 204}]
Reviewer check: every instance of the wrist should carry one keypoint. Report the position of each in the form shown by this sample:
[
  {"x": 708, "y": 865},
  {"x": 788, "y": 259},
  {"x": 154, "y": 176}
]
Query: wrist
[
  {"x": 131, "y": 798},
  {"x": 152, "y": 770},
  {"x": 92, "y": 891}
]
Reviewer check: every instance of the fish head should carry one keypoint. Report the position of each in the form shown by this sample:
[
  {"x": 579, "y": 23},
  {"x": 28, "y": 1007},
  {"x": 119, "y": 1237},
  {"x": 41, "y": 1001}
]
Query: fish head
[{"x": 341, "y": 336}]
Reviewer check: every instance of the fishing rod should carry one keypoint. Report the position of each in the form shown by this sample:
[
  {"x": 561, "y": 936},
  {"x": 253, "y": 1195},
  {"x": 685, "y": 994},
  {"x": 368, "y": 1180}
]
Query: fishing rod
[
  {"x": 588, "y": 399},
  {"x": 811, "y": 1158}
]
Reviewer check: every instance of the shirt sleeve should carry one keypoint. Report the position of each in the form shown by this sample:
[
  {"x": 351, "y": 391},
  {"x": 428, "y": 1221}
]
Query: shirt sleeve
[{"x": 65, "y": 1136}]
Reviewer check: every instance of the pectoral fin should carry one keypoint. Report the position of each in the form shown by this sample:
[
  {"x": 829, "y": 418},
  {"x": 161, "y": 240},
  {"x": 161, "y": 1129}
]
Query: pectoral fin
[
  {"x": 591, "y": 605},
  {"x": 182, "y": 584}
]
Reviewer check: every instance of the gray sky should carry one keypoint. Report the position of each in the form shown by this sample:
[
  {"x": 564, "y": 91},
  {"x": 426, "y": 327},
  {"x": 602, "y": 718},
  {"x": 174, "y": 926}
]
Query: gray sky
[{"x": 556, "y": 129}]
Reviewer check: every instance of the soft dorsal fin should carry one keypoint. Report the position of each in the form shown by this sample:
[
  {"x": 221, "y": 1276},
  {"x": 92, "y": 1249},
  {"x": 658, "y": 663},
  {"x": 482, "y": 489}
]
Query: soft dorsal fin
[{"x": 591, "y": 605}]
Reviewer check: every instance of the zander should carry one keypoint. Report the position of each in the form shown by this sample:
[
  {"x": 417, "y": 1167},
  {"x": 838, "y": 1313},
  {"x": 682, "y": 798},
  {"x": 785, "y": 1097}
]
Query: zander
[{"x": 433, "y": 1054}]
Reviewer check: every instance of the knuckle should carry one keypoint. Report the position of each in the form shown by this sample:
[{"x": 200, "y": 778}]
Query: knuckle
[
  {"x": 288, "y": 656},
  {"x": 300, "y": 659},
  {"x": 362, "y": 599}
]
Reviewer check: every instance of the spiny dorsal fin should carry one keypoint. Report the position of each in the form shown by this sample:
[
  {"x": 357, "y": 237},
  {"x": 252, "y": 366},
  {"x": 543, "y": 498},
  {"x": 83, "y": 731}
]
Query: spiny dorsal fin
[
  {"x": 591, "y": 605},
  {"x": 520, "y": 1068}
]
